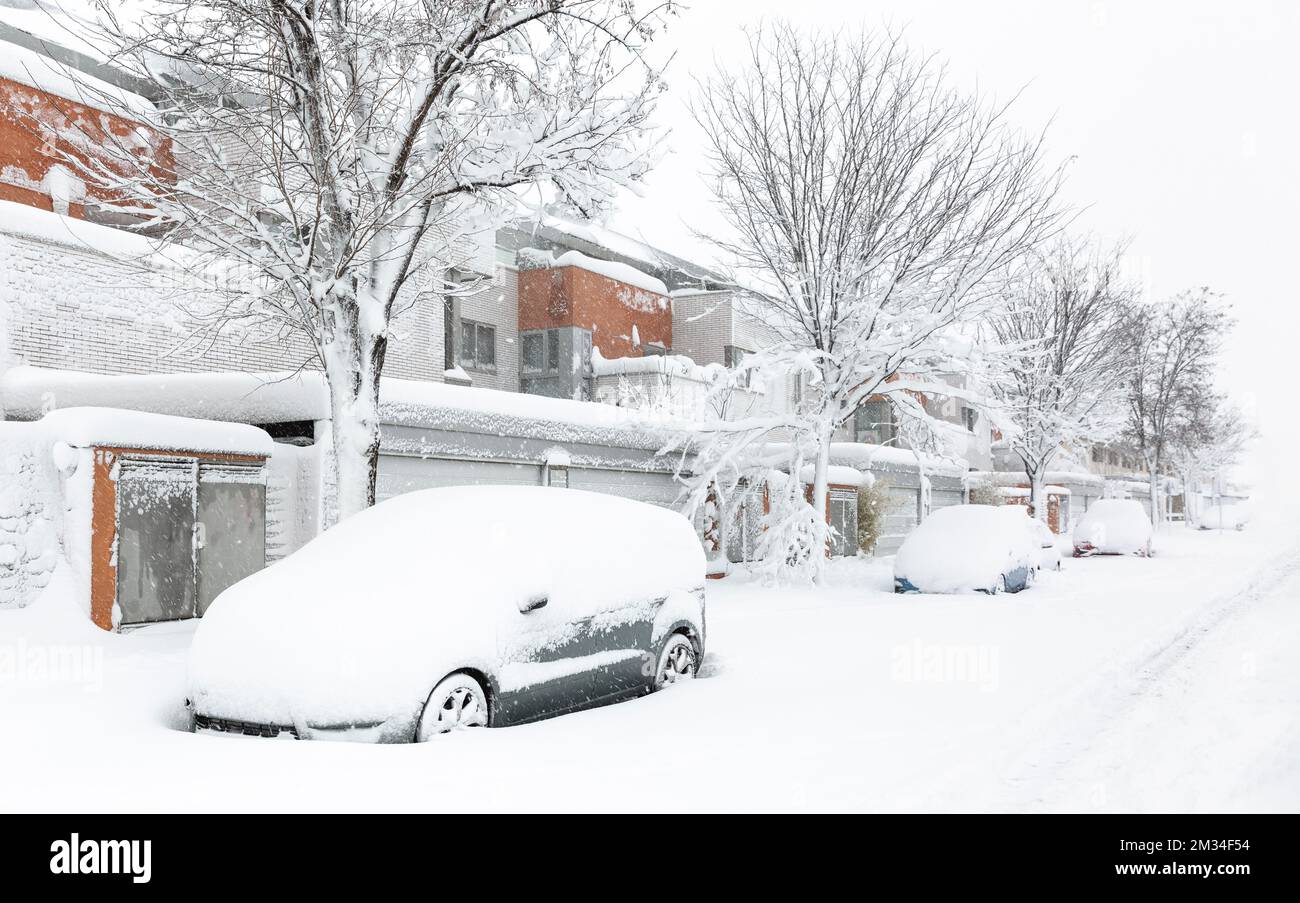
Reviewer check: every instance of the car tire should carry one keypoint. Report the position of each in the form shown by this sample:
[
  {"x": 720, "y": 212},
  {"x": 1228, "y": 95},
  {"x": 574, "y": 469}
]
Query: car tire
[
  {"x": 458, "y": 701},
  {"x": 678, "y": 660}
]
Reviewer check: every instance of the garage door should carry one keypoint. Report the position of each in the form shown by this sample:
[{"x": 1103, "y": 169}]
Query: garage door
[
  {"x": 656, "y": 488},
  {"x": 399, "y": 474},
  {"x": 899, "y": 519},
  {"x": 945, "y": 498}
]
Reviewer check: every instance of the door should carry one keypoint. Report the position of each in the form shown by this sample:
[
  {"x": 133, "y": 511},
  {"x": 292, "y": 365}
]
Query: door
[
  {"x": 186, "y": 530},
  {"x": 155, "y": 541},
  {"x": 624, "y": 651},
  {"x": 230, "y": 535},
  {"x": 844, "y": 518},
  {"x": 547, "y": 664}
]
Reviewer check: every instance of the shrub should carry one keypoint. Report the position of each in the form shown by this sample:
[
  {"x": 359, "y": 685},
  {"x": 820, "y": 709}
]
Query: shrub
[{"x": 873, "y": 507}]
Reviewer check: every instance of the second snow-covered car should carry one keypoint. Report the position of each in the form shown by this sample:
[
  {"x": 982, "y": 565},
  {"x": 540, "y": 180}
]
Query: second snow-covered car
[
  {"x": 964, "y": 548},
  {"x": 1113, "y": 527},
  {"x": 446, "y": 608}
]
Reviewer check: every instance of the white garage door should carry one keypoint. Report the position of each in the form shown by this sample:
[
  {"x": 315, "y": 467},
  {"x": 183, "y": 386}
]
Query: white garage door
[
  {"x": 656, "y": 488},
  {"x": 399, "y": 474}
]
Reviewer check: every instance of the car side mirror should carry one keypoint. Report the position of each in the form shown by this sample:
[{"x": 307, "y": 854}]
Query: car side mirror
[{"x": 532, "y": 603}]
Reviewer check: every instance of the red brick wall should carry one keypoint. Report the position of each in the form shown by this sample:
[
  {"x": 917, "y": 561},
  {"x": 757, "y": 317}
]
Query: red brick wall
[
  {"x": 1053, "y": 507},
  {"x": 572, "y": 296},
  {"x": 38, "y": 129}
]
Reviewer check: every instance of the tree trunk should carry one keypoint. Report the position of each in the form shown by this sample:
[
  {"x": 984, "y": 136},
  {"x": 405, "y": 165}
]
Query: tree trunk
[
  {"x": 354, "y": 362},
  {"x": 1154, "y": 488},
  {"x": 1038, "y": 496},
  {"x": 820, "y": 486}
]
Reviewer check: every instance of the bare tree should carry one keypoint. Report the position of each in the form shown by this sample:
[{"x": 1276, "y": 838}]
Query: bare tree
[
  {"x": 338, "y": 151},
  {"x": 1209, "y": 434},
  {"x": 1172, "y": 348},
  {"x": 869, "y": 209},
  {"x": 1065, "y": 363}
]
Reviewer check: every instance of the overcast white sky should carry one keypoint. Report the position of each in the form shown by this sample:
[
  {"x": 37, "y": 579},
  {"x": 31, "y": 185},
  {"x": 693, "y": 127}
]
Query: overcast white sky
[{"x": 1181, "y": 119}]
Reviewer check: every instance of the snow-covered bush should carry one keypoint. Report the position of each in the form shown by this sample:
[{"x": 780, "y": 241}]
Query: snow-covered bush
[{"x": 29, "y": 540}]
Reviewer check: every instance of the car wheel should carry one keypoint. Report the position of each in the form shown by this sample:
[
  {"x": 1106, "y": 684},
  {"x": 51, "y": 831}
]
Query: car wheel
[
  {"x": 677, "y": 661},
  {"x": 457, "y": 701},
  {"x": 1030, "y": 576}
]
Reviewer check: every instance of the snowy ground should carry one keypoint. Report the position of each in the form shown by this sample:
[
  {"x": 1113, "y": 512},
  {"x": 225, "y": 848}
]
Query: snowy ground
[{"x": 1120, "y": 684}]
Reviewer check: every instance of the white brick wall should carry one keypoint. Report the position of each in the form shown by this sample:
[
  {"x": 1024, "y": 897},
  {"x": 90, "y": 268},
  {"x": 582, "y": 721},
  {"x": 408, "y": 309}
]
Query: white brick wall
[
  {"x": 702, "y": 326},
  {"x": 497, "y": 305},
  {"x": 72, "y": 308}
]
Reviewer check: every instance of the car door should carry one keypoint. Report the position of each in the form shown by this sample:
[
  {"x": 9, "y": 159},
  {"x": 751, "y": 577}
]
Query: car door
[
  {"x": 546, "y": 661},
  {"x": 622, "y": 637}
]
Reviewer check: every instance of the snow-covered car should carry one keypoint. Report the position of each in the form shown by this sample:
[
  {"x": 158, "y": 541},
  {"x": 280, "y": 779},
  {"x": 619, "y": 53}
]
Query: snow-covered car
[
  {"x": 1049, "y": 553},
  {"x": 1113, "y": 527},
  {"x": 456, "y": 607},
  {"x": 1225, "y": 517},
  {"x": 964, "y": 548}
]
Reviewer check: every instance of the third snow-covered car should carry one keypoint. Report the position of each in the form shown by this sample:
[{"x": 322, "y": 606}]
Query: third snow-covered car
[
  {"x": 1113, "y": 527},
  {"x": 963, "y": 548},
  {"x": 1225, "y": 517},
  {"x": 446, "y": 608}
]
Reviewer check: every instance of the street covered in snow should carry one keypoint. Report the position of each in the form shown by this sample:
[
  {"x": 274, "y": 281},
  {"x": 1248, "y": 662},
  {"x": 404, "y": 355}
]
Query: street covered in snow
[{"x": 1119, "y": 684}]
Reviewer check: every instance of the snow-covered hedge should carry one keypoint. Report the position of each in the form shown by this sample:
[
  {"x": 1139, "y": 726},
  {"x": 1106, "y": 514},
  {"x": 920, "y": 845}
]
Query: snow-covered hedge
[{"x": 31, "y": 520}]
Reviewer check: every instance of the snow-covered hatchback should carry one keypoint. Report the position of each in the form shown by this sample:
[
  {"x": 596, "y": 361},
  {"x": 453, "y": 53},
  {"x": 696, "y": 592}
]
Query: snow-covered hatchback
[
  {"x": 969, "y": 548},
  {"x": 458, "y": 607}
]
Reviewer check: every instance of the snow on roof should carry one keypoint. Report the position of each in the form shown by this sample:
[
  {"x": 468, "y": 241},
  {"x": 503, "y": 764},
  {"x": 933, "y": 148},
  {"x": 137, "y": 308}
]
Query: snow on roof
[
  {"x": 863, "y": 455},
  {"x": 1060, "y": 478},
  {"x": 668, "y": 364},
  {"x": 249, "y": 397},
  {"x": 278, "y": 397},
  {"x": 36, "y": 70},
  {"x": 619, "y": 272},
  {"x": 31, "y": 222},
  {"x": 836, "y": 475},
  {"x": 1020, "y": 492},
  {"x": 68, "y": 23},
  {"x": 87, "y": 427}
]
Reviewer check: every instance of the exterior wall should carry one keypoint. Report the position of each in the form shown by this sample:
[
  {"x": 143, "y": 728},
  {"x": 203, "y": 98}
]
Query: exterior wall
[
  {"x": 496, "y": 305},
  {"x": 38, "y": 129},
  {"x": 570, "y": 296},
  {"x": 75, "y": 308},
  {"x": 702, "y": 326}
]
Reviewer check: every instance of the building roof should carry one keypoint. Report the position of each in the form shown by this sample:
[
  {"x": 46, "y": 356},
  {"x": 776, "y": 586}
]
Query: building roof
[{"x": 549, "y": 232}]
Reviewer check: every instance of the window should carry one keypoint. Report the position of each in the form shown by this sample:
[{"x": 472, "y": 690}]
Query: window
[
  {"x": 735, "y": 357},
  {"x": 1098, "y": 454},
  {"x": 968, "y": 417},
  {"x": 552, "y": 351},
  {"x": 541, "y": 350},
  {"x": 478, "y": 345},
  {"x": 1112, "y": 458},
  {"x": 873, "y": 422},
  {"x": 448, "y": 333},
  {"x": 534, "y": 351}
]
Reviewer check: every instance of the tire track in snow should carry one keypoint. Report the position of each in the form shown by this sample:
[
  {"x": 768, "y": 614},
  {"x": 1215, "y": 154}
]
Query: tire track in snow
[{"x": 1062, "y": 741}]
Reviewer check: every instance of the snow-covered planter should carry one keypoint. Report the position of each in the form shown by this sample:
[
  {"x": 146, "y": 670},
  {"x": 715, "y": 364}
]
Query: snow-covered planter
[
  {"x": 348, "y": 636},
  {"x": 965, "y": 548},
  {"x": 1113, "y": 527}
]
